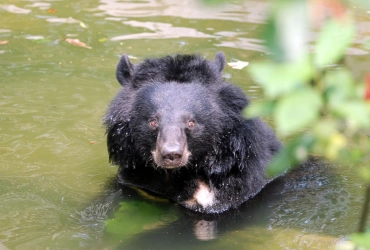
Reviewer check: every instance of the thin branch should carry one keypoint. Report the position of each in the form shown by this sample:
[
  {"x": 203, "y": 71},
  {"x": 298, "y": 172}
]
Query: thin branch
[{"x": 365, "y": 210}]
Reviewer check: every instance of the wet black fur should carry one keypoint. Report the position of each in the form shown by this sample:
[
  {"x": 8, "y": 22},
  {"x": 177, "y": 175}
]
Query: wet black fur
[{"x": 228, "y": 153}]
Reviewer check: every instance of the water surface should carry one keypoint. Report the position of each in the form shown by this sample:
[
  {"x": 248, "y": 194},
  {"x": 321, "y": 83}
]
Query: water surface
[{"x": 55, "y": 179}]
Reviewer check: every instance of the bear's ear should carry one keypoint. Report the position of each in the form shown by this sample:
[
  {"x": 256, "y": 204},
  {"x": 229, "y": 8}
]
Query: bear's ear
[
  {"x": 125, "y": 71},
  {"x": 220, "y": 61}
]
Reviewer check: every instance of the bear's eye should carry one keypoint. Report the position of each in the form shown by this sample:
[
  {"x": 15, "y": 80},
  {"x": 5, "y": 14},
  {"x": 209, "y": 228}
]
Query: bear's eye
[
  {"x": 191, "y": 123},
  {"x": 153, "y": 123}
]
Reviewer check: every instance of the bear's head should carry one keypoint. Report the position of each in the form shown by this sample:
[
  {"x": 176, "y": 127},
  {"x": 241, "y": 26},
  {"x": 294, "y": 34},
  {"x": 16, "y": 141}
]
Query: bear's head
[
  {"x": 171, "y": 112},
  {"x": 175, "y": 122}
]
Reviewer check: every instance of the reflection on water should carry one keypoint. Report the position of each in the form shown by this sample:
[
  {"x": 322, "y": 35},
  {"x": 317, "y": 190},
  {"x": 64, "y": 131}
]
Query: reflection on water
[
  {"x": 241, "y": 11},
  {"x": 309, "y": 208},
  {"x": 14, "y": 9},
  {"x": 160, "y": 31},
  {"x": 55, "y": 177},
  {"x": 62, "y": 20},
  {"x": 252, "y": 12}
]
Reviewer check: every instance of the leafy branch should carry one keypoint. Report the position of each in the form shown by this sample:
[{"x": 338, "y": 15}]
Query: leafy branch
[{"x": 311, "y": 97}]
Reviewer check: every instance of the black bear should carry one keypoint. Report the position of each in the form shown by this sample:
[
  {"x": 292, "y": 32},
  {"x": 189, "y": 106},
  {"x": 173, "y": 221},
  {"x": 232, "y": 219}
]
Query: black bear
[{"x": 176, "y": 128}]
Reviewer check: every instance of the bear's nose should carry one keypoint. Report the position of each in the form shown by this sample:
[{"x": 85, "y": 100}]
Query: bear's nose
[{"x": 172, "y": 152}]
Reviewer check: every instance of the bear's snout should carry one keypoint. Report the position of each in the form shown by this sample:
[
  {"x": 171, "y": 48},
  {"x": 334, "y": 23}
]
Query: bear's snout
[
  {"x": 171, "y": 148},
  {"x": 171, "y": 152}
]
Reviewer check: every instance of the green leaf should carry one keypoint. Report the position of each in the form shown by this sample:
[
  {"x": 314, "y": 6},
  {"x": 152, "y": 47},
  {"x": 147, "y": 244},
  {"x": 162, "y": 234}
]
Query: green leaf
[
  {"x": 362, "y": 240},
  {"x": 324, "y": 129},
  {"x": 271, "y": 36},
  {"x": 291, "y": 154},
  {"x": 262, "y": 108},
  {"x": 280, "y": 163},
  {"x": 277, "y": 79},
  {"x": 334, "y": 38},
  {"x": 297, "y": 110},
  {"x": 102, "y": 40},
  {"x": 364, "y": 173},
  {"x": 339, "y": 87},
  {"x": 336, "y": 143},
  {"x": 357, "y": 113}
]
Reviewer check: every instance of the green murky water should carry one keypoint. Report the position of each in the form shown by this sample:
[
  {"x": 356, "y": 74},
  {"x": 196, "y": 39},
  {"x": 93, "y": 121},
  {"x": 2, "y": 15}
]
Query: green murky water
[{"x": 55, "y": 178}]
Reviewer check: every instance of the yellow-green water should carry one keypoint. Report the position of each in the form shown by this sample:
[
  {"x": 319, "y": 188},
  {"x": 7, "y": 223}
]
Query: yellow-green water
[{"x": 55, "y": 177}]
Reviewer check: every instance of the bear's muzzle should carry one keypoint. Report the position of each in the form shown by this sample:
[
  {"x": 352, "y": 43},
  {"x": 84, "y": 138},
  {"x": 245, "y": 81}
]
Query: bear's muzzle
[{"x": 171, "y": 148}]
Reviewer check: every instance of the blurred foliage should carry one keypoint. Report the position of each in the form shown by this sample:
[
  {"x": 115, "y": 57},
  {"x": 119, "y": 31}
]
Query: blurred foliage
[
  {"x": 362, "y": 240},
  {"x": 312, "y": 98},
  {"x": 315, "y": 101}
]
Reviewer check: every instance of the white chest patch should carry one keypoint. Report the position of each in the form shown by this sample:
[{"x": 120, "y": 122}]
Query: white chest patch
[{"x": 203, "y": 195}]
